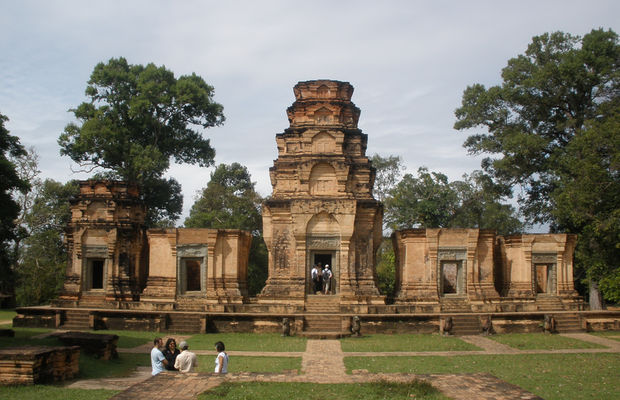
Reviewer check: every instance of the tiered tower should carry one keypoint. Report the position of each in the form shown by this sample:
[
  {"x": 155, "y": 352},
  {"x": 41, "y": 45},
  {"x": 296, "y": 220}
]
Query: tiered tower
[{"x": 322, "y": 208}]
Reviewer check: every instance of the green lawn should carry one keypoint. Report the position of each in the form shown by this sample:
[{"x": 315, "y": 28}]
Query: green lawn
[
  {"x": 540, "y": 341},
  {"x": 50, "y": 392},
  {"x": 6, "y": 315},
  {"x": 23, "y": 337},
  {"x": 248, "y": 342},
  {"x": 252, "y": 364},
  {"x": 130, "y": 339},
  {"x": 615, "y": 335},
  {"x": 551, "y": 376},
  {"x": 411, "y": 342},
  {"x": 313, "y": 391}
]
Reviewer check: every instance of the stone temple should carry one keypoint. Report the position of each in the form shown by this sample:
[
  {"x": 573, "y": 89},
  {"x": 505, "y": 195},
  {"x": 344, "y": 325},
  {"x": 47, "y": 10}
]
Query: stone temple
[{"x": 123, "y": 276}]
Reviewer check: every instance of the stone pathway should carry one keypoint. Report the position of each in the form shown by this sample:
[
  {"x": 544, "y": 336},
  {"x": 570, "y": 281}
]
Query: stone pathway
[{"x": 323, "y": 362}]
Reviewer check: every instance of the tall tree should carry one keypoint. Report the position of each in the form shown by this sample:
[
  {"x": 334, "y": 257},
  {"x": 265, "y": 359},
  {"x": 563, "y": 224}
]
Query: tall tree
[
  {"x": 425, "y": 200},
  {"x": 388, "y": 173},
  {"x": 481, "y": 204},
  {"x": 430, "y": 200},
  {"x": 138, "y": 119},
  {"x": 537, "y": 124},
  {"x": 9, "y": 209},
  {"x": 230, "y": 201},
  {"x": 41, "y": 265}
]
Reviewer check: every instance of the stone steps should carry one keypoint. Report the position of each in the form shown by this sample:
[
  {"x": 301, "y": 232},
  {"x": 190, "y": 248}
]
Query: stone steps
[
  {"x": 322, "y": 304},
  {"x": 322, "y": 323},
  {"x": 183, "y": 323},
  {"x": 566, "y": 323},
  {"x": 466, "y": 325},
  {"x": 455, "y": 306},
  {"x": 549, "y": 304},
  {"x": 76, "y": 320}
]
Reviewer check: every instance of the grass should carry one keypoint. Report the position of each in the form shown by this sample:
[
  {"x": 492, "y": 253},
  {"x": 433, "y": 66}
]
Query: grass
[
  {"x": 252, "y": 364},
  {"x": 313, "y": 391},
  {"x": 615, "y": 335},
  {"x": 50, "y": 392},
  {"x": 131, "y": 339},
  {"x": 248, "y": 342},
  {"x": 540, "y": 341},
  {"x": 551, "y": 376},
  {"x": 124, "y": 365},
  {"x": 6, "y": 315},
  {"x": 410, "y": 342},
  {"x": 24, "y": 337}
]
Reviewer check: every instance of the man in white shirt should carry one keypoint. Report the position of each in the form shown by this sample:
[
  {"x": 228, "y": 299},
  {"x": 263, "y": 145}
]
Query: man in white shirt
[{"x": 186, "y": 361}]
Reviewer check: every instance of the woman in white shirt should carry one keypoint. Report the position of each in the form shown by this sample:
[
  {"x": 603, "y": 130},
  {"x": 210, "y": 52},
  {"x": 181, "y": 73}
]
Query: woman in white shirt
[{"x": 221, "y": 361}]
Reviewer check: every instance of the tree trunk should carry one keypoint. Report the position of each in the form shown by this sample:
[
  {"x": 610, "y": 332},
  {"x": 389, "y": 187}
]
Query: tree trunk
[{"x": 596, "y": 300}]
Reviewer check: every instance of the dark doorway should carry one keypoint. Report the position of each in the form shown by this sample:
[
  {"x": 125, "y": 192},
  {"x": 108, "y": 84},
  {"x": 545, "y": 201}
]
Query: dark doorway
[
  {"x": 323, "y": 259},
  {"x": 96, "y": 274}
]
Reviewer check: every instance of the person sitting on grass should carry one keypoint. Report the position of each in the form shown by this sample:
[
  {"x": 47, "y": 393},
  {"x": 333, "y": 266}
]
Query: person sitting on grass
[
  {"x": 221, "y": 361},
  {"x": 186, "y": 361}
]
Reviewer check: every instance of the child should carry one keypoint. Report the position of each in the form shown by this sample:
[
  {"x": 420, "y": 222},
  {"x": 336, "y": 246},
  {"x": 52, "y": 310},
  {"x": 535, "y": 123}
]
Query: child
[{"x": 221, "y": 360}]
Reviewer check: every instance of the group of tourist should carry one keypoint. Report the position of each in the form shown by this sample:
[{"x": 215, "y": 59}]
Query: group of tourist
[
  {"x": 321, "y": 278},
  {"x": 171, "y": 359}
]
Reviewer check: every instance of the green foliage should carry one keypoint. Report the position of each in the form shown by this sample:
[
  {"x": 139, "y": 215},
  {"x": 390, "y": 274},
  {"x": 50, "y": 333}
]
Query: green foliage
[
  {"x": 42, "y": 257},
  {"x": 388, "y": 172},
  {"x": 552, "y": 130},
  {"x": 386, "y": 268},
  {"x": 429, "y": 200},
  {"x": 230, "y": 201},
  {"x": 137, "y": 120},
  {"x": 425, "y": 200},
  {"x": 9, "y": 209}
]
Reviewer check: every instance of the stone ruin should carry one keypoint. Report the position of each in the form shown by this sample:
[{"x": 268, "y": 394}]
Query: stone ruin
[{"x": 322, "y": 209}]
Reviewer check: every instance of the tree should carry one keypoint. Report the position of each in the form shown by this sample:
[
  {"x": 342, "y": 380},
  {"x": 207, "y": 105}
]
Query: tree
[
  {"x": 41, "y": 265},
  {"x": 425, "y": 201},
  {"x": 429, "y": 200},
  {"x": 137, "y": 120},
  {"x": 481, "y": 205},
  {"x": 9, "y": 209},
  {"x": 230, "y": 201},
  {"x": 538, "y": 122},
  {"x": 388, "y": 172}
]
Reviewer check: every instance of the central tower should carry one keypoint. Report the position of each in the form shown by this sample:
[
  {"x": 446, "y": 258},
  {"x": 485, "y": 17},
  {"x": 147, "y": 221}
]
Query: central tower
[{"x": 322, "y": 208}]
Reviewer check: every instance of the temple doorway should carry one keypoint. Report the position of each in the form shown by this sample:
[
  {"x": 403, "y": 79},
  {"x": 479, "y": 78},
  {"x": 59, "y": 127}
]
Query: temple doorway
[
  {"x": 452, "y": 277},
  {"x": 543, "y": 278}
]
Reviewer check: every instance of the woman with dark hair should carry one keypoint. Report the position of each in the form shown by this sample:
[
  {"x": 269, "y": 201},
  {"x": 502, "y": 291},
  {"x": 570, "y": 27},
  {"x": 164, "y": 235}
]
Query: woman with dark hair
[
  {"x": 221, "y": 361},
  {"x": 171, "y": 352}
]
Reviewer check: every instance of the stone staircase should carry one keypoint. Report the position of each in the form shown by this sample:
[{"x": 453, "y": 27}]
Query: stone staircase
[
  {"x": 321, "y": 317},
  {"x": 183, "y": 322},
  {"x": 455, "y": 305},
  {"x": 549, "y": 303},
  {"x": 567, "y": 323},
  {"x": 466, "y": 325},
  {"x": 76, "y": 320}
]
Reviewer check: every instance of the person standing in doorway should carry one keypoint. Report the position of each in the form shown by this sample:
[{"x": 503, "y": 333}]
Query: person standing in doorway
[
  {"x": 327, "y": 277},
  {"x": 314, "y": 274}
]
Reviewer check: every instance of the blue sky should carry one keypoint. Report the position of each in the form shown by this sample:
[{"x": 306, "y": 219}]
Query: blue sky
[{"x": 409, "y": 62}]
